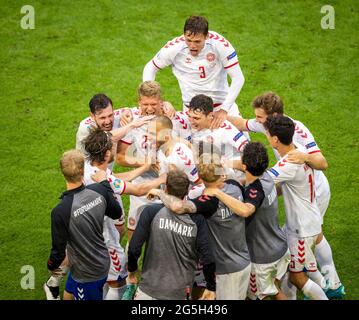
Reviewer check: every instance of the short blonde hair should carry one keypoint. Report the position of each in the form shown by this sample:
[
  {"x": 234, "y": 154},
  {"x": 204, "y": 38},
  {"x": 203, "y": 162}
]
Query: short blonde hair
[
  {"x": 149, "y": 89},
  {"x": 72, "y": 165},
  {"x": 209, "y": 167}
]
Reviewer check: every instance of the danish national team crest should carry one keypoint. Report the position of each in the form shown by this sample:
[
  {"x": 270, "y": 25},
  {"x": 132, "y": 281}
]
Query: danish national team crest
[{"x": 211, "y": 57}]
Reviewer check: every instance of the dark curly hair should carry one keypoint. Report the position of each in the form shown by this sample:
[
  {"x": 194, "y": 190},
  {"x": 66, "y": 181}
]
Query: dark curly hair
[
  {"x": 282, "y": 127},
  {"x": 97, "y": 143},
  {"x": 255, "y": 157}
]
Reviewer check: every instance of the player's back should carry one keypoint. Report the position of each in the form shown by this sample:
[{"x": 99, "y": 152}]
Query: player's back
[
  {"x": 266, "y": 240},
  {"x": 171, "y": 256},
  {"x": 227, "y": 232}
]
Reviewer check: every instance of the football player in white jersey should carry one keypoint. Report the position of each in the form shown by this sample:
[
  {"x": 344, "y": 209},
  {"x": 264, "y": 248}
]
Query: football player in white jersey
[
  {"x": 268, "y": 104},
  {"x": 227, "y": 138},
  {"x": 172, "y": 153},
  {"x": 134, "y": 147},
  {"x": 303, "y": 219},
  {"x": 103, "y": 116},
  {"x": 201, "y": 61}
]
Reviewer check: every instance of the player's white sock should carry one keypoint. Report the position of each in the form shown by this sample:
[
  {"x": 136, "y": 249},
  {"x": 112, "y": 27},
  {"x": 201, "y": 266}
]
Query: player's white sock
[
  {"x": 289, "y": 289},
  {"x": 318, "y": 278},
  {"x": 324, "y": 256},
  {"x": 314, "y": 291},
  {"x": 115, "y": 293}
]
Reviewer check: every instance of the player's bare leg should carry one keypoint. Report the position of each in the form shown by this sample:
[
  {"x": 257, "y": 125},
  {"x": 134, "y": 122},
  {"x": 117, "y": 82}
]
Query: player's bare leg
[
  {"x": 68, "y": 296},
  {"x": 310, "y": 289},
  {"x": 288, "y": 288}
]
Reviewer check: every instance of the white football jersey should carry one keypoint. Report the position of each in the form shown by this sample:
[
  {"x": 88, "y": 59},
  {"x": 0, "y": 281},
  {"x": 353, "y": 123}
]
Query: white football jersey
[
  {"x": 298, "y": 187},
  {"x": 228, "y": 141},
  {"x": 303, "y": 137},
  {"x": 137, "y": 138},
  {"x": 182, "y": 158},
  {"x": 181, "y": 126},
  {"x": 203, "y": 74}
]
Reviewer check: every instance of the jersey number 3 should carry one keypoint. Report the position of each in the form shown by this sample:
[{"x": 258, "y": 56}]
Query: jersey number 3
[{"x": 203, "y": 73}]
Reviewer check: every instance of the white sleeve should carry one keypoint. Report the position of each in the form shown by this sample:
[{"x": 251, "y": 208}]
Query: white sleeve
[
  {"x": 118, "y": 185},
  {"x": 237, "y": 78},
  {"x": 233, "y": 136},
  {"x": 166, "y": 55},
  {"x": 149, "y": 72},
  {"x": 304, "y": 137},
  {"x": 254, "y": 126},
  {"x": 283, "y": 171}
]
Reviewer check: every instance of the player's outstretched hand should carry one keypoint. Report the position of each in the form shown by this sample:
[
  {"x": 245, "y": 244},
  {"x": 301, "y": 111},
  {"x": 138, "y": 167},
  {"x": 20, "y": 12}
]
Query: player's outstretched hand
[
  {"x": 140, "y": 122},
  {"x": 218, "y": 118},
  {"x": 296, "y": 156},
  {"x": 208, "y": 295},
  {"x": 99, "y": 176},
  {"x": 153, "y": 193},
  {"x": 168, "y": 109},
  {"x": 126, "y": 117}
]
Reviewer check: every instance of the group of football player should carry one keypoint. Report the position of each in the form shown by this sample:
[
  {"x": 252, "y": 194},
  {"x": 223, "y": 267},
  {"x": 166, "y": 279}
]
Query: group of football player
[{"x": 202, "y": 195}]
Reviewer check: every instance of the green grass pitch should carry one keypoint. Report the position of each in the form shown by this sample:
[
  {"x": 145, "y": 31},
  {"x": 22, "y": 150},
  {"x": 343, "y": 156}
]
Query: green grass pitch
[{"x": 79, "y": 48}]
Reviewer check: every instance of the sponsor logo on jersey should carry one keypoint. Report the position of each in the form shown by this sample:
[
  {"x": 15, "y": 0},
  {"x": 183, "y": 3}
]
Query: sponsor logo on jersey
[
  {"x": 210, "y": 57},
  {"x": 188, "y": 60},
  {"x": 194, "y": 171},
  {"x": 232, "y": 55},
  {"x": 273, "y": 171},
  {"x": 237, "y": 136},
  {"x": 310, "y": 145}
]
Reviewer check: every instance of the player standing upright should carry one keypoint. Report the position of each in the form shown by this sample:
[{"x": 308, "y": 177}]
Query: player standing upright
[
  {"x": 201, "y": 61},
  {"x": 271, "y": 104},
  {"x": 98, "y": 146},
  {"x": 303, "y": 220},
  {"x": 266, "y": 241}
]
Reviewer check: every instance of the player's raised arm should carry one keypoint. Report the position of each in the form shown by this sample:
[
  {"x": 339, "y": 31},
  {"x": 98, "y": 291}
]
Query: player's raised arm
[
  {"x": 161, "y": 60},
  {"x": 173, "y": 203},
  {"x": 240, "y": 208},
  {"x": 149, "y": 72},
  {"x": 238, "y": 122},
  {"x": 237, "y": 82},
  {"x": 314, "y": 160}
]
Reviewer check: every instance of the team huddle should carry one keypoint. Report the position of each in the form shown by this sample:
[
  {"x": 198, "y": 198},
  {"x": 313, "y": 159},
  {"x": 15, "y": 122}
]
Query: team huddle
[{"x": 203, "y": 199}]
